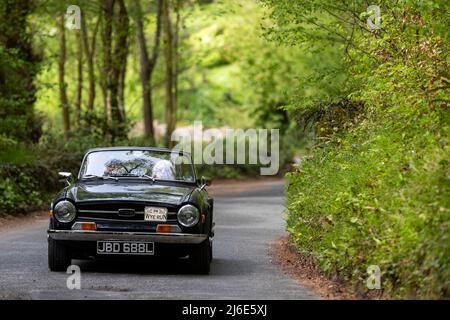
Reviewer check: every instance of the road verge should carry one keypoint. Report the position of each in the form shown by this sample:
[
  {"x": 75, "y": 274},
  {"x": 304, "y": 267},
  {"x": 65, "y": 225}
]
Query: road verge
[{"x": 305, "y": 271}]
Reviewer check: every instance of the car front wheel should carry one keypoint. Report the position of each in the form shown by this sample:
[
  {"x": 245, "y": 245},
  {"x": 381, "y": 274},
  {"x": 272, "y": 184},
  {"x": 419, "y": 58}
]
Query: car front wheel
[
  {"x": 200, "y": 257},
  {"x": 59, "y": 256}
]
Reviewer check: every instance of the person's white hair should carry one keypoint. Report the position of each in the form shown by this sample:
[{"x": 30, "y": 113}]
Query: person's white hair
[{"x": 163, "y": 170}]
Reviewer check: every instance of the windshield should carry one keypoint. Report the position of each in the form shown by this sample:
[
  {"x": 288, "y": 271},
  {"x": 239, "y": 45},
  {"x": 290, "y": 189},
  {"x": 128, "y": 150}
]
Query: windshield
[{"x": 157, "y": 165}]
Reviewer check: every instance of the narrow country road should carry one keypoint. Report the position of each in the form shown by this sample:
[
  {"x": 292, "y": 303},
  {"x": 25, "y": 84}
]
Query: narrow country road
[{"x": 247, "y": 221}]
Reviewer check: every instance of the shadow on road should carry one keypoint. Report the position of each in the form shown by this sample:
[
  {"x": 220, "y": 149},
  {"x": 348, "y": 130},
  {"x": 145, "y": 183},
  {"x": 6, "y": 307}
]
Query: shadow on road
[{"x": 164, "y": 266}]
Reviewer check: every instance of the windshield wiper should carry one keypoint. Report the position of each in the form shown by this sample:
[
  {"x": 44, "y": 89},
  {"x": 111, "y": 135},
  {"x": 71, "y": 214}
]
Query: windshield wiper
[
  {"x": 92, "y": 176},
  {"x": 127, "y": 176},
  {"x": 147, "y": 176}
]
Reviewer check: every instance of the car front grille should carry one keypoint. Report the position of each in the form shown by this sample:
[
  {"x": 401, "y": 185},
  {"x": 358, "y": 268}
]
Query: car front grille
[{"x": 119, "y": 211}]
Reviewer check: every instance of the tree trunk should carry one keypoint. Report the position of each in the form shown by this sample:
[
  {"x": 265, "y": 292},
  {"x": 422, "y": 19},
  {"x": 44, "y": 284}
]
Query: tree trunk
[
  {"x": 79, "y": 93},
  {"x": 17, "y": 80},
  {"x": 176, "y": 43},
  {"x": 119, "y": 58},
  {"x": 122, "y": 48},
  {"x": 169, "y": 55},
  {"x": 89, "y": 52},
  {"x": 62, "y": 84},
  {"x": 122, "y": 83},
  {"x": 107, "y": 70},
  {"x": 147, "y": 64}
]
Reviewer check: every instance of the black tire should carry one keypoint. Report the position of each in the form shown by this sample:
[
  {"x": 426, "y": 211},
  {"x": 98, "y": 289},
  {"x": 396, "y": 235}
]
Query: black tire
[
  {"x": 59, "y": 256},
  {"x": 200, "y": 258}
]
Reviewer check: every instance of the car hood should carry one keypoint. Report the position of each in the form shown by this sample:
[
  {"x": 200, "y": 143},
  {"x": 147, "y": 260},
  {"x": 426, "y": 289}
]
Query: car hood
[{"x": 128, "y": 191}]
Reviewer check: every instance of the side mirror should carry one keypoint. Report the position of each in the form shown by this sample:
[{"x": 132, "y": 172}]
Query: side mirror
[
  {"x": 67, "y": 177},
  {"x": 204, "y": 182}
]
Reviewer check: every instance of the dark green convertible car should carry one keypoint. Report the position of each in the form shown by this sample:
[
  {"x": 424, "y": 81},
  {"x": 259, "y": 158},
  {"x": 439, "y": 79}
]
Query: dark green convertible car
[{"x": 132, "y": 201}]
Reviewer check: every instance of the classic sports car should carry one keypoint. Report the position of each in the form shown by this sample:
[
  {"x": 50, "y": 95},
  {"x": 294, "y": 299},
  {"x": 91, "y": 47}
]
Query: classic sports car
[{"x": 132, "y": 201}]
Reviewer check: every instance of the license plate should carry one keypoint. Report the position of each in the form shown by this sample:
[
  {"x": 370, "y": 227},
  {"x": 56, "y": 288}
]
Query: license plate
[
  {"x": 125, "y": 247},
  {"x": 155, "y": 214}
]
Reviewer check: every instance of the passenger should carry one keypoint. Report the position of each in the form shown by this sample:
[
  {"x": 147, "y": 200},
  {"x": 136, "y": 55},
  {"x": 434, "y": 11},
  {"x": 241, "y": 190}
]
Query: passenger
[{"x": 163, "y": 170}]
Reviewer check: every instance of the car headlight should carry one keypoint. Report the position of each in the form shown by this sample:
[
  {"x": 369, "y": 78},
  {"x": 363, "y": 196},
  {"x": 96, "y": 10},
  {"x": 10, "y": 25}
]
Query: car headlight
[
  {"x": 64, "y": 211},
  {"x": 188, "y": 215}
]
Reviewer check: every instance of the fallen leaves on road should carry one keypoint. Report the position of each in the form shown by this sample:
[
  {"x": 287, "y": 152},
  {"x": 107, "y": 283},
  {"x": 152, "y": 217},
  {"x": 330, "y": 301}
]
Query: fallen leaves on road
[
  {"x": 9, "y": 221},
  {"x": 305, "y": 272}
]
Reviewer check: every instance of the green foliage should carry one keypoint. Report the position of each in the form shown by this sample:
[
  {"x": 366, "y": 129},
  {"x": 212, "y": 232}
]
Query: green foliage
[
  {"x": 377, "y": 197},
  {"x": 18, "y": 67},
  {"x": 375, "y": 189},
  {"x": 25, "y": 187}
]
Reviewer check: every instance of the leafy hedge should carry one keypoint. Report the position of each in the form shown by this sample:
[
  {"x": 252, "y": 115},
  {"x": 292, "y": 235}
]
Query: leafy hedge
[
  {"x": 378, "y": 197},
  {"x": 376, "y": 188},
  {"x": 28, "y": 172},
  {"x": 25, "y": 186}
]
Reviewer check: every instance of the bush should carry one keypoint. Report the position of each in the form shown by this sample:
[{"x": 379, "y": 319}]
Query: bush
[
  {"x": 378, "y": 195},
  {"x": 25, "y": 187},
  {"x": 375, "y": 190},
  {"x": 28, "y": 172}
]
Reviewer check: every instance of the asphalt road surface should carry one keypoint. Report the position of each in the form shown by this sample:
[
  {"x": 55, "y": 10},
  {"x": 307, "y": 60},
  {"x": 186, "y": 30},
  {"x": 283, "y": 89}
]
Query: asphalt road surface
[{"x": 247, "y": 222}]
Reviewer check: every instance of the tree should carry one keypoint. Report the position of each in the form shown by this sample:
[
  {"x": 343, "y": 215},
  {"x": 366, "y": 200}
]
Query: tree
[
  {"x": 79, "y": 91},
  {"x": 115, "y": 54},
  {"x": 18, "y": 67},
  {"x": 118, "y": 70},
  {"x": 170, "y": 57},
  {"x": 89, "y": 52},
  {"x": 107, "y": 15},
  {"x": 176, "y": 44},
  {"x": 147, "y": 64},
  {"x": 61, "y": 72}
]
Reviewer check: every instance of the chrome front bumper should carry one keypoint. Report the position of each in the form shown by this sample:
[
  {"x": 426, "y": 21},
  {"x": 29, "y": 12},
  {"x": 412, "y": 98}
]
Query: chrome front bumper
[{"x": 80, "y": 235}]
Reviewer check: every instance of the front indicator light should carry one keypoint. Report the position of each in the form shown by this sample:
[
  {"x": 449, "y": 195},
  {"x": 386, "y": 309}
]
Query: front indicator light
[
  {"x": 85, "y": 226},
  {"x": 167, "y": 228}
]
